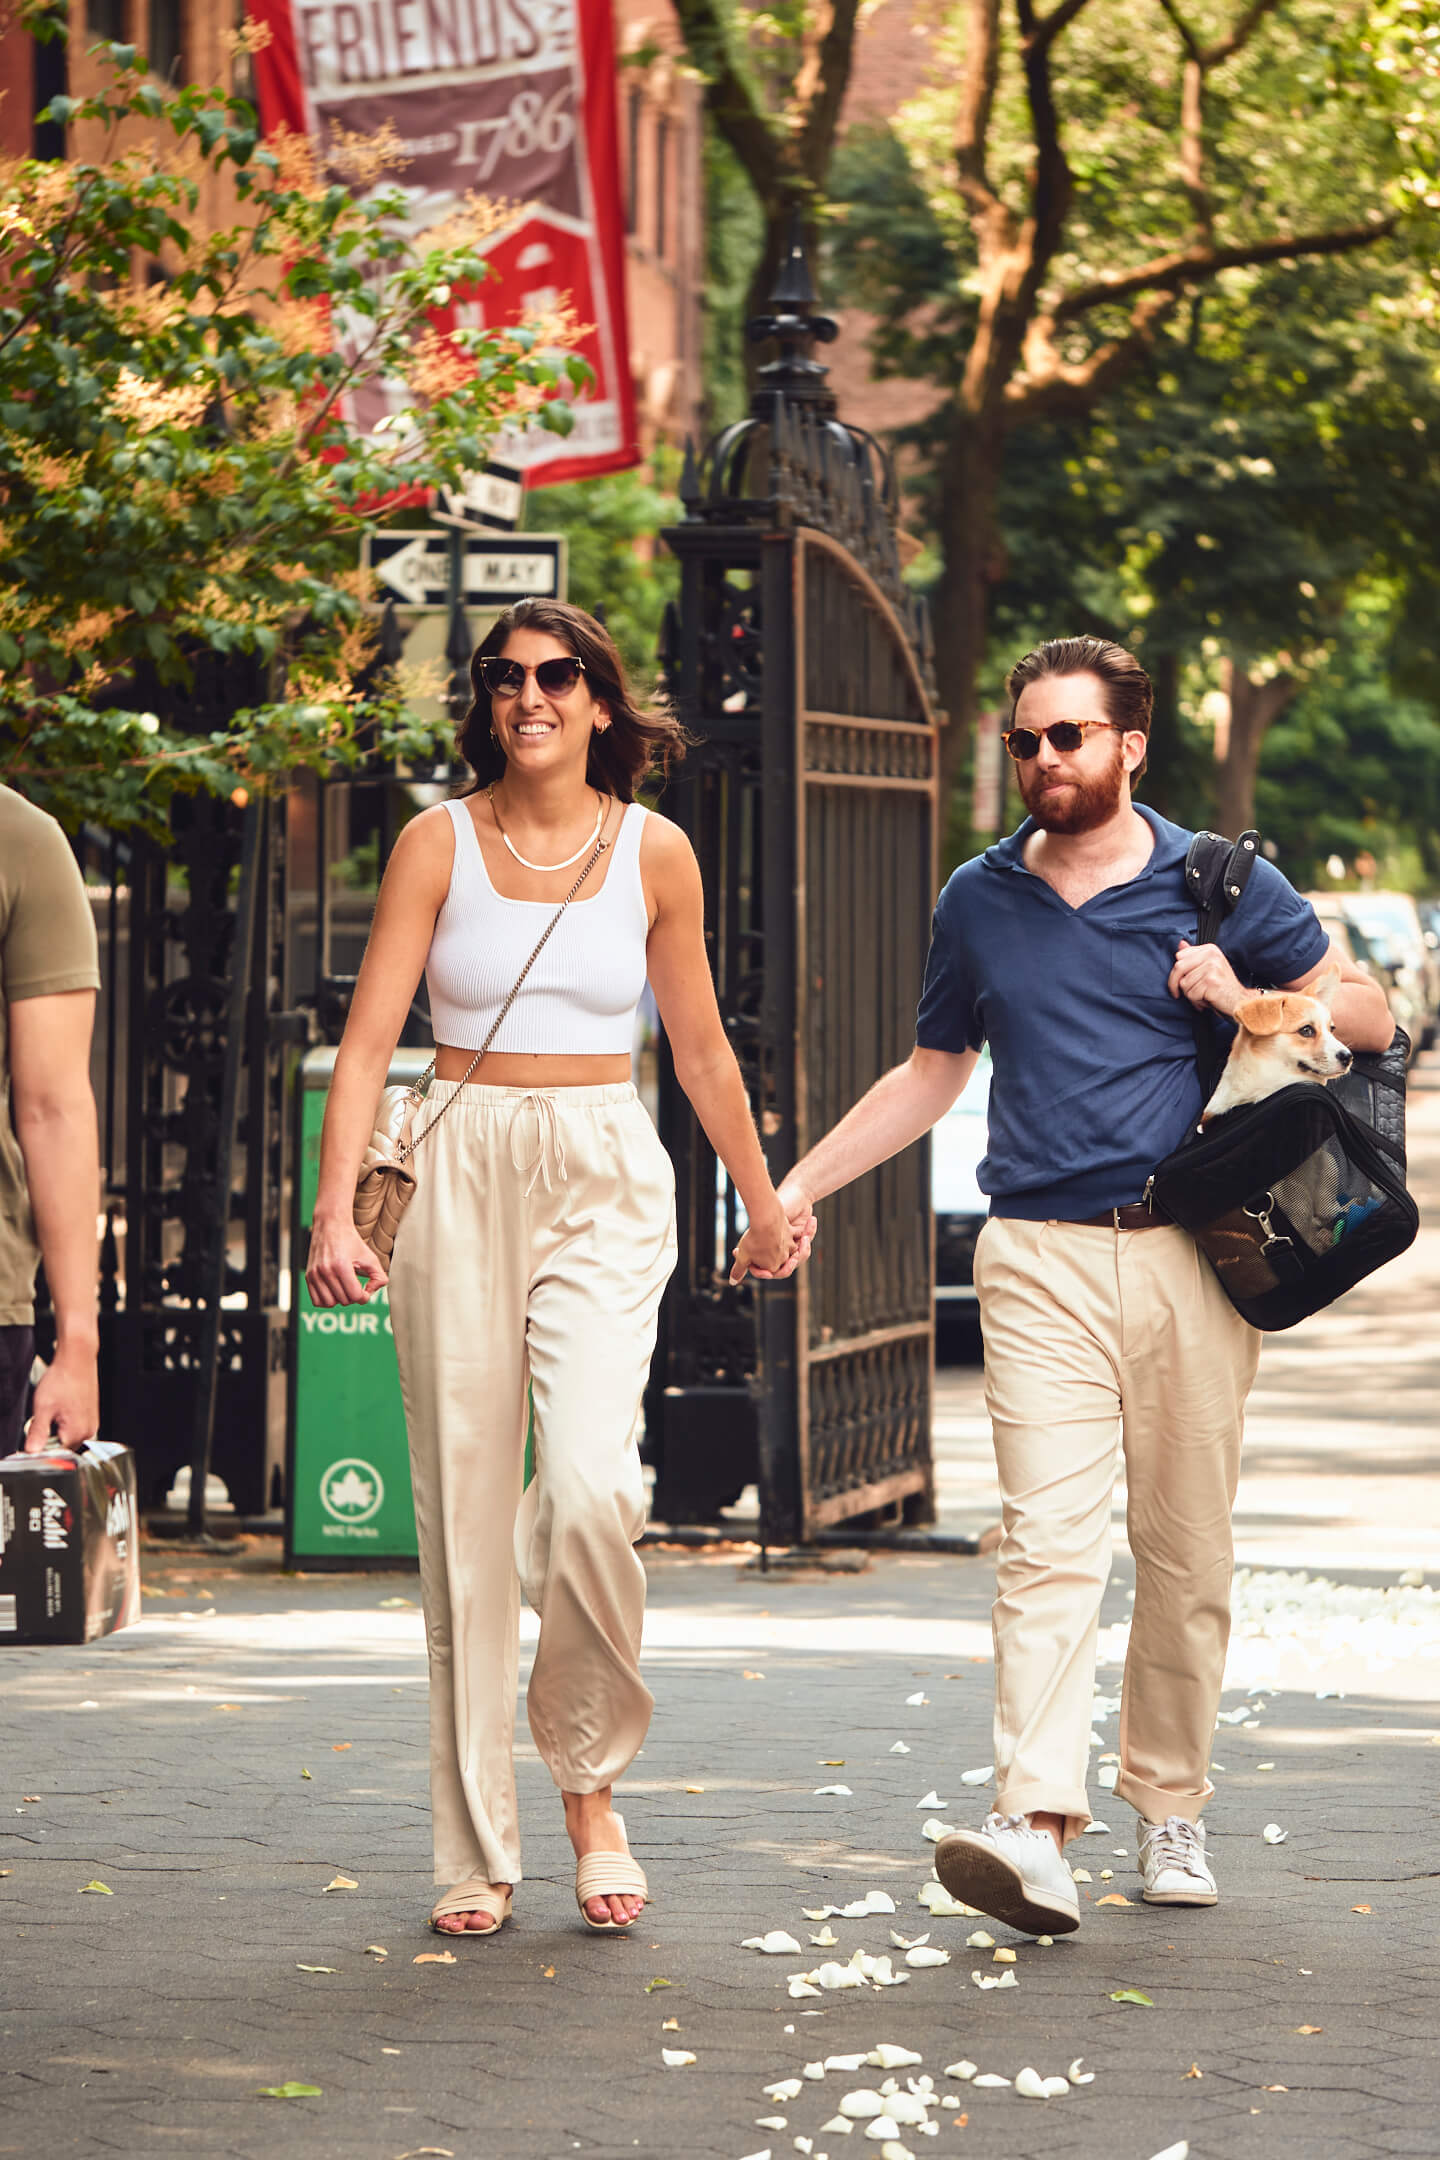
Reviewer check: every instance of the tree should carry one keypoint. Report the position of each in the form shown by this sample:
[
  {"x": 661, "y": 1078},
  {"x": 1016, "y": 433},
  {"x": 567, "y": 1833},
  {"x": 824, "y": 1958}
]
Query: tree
[
  {"x": 1098, "y": 166},
  {"x": 606, "y": 521},
  {"x": 775, "y": 79},
  {"x": 178, "y": 472}
]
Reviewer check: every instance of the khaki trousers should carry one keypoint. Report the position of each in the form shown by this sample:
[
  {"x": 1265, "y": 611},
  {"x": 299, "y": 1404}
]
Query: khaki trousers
[
  {"x": 1092, "y": 1337},
  {"x": 533, "y": 1255}
]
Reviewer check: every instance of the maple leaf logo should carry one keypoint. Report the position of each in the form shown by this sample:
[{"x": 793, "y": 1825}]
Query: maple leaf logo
[{"x": 350, "y": 1494}]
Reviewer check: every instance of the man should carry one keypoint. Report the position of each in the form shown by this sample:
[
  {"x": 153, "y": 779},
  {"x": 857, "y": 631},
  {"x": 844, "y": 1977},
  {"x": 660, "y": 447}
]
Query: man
[
  {"x": 1068, "y": 948},
  {"x": 49, "y": 1145}
]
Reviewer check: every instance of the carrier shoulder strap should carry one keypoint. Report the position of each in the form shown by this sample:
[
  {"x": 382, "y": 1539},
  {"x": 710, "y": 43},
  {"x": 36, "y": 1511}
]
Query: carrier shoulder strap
[{"x": 1216, "y": 874}]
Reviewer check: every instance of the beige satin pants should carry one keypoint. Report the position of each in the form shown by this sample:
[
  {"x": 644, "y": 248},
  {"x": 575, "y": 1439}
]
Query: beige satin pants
[
  {"x": 1094, "y": 1337},
  {"x": 533, "y": 1255}
]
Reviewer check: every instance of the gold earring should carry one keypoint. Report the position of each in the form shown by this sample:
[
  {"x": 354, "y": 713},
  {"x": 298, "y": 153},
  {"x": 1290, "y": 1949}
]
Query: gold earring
[{"x": 493, "y": 736}]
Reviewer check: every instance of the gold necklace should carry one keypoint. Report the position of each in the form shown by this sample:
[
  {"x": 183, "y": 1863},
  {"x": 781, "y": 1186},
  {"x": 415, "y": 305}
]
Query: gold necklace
[{"x": 544, "y": 867}]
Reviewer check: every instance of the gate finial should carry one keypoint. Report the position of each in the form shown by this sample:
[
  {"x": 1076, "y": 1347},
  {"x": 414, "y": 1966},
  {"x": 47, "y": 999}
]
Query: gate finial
[{"x": 796, "y": 329}]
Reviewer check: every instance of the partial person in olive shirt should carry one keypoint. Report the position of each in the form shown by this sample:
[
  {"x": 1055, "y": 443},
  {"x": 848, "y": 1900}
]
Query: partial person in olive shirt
[{"x": 49, "y": 1144}]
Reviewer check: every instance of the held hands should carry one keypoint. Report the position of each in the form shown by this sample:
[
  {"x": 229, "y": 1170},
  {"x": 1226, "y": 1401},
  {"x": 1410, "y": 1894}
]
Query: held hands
[
  {"x": 778, "y": 1240},
  {"x": 338, "y": 1258},
  {"x": 1203, "y": 975}
]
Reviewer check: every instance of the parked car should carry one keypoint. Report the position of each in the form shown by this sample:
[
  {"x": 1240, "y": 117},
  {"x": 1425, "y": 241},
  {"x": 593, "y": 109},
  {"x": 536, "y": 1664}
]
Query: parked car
[
  {"x": 1393, "y": 918},
  {"x": 956, "y": 1146},
  {"x": 1400, "y": 915},
  {"x": 1379, "y": 954}
]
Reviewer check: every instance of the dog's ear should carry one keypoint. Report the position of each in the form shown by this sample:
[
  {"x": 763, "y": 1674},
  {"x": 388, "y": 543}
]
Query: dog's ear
[
  {"x": 1323, "y": 988},
  {"x": 1263, "y": 1015}
]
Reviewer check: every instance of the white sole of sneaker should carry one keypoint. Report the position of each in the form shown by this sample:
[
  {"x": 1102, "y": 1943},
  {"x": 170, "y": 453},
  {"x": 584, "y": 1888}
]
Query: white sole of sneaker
[
  {"x": 973, "y": 1871},
  {"x": 1182, "y": 1897}
]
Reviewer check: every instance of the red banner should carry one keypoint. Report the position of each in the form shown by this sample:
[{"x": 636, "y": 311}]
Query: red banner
[{"x": 511, "y": 99}]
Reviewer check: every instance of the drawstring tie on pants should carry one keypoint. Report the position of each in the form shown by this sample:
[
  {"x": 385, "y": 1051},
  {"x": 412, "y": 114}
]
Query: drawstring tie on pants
[{"x": 549, "y": 1145}]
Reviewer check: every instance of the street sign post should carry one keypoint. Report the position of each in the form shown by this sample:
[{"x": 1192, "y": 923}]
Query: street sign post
[{"x": 414, "y": 566}]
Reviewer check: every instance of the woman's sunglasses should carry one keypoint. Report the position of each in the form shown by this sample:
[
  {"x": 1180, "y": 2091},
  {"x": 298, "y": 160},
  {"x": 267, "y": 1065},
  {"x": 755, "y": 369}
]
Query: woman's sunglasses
[
  {"x": 506, "y": 678},
  {"x": 1063, "y": 735}
]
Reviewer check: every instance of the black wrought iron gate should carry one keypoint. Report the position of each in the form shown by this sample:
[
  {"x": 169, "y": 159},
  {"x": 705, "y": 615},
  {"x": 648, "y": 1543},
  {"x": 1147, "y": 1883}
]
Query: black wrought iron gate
[{"x": 800, "y": 660}]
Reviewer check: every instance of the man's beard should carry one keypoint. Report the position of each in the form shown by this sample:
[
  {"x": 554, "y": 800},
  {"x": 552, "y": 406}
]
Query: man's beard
[{"x": 1081, "y": 805}]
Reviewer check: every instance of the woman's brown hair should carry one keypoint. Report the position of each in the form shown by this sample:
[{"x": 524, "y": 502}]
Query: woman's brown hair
[{"x": 636, "y": 742}]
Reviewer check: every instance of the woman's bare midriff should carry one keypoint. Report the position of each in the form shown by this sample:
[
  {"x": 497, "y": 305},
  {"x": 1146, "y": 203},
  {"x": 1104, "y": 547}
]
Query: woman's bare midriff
[{"x": 514, "y": 1069}]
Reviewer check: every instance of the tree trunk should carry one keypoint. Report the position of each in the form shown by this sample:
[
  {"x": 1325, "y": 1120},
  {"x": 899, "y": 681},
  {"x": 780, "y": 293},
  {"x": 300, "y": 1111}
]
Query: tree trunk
[
  {"x": 959, "y": 605},
  {"x": 1254, "y": 707}
]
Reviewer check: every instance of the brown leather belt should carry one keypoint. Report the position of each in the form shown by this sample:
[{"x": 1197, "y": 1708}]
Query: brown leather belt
[{"x": 1134, "y": 1217}]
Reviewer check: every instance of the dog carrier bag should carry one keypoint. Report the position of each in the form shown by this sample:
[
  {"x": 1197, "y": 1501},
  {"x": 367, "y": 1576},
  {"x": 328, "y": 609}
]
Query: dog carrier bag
[{"x": 1294, "y": 1199}]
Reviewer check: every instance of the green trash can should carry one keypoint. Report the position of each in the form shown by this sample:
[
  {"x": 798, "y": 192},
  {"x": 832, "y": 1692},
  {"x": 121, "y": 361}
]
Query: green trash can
[{"x": 347, "y": 1492}]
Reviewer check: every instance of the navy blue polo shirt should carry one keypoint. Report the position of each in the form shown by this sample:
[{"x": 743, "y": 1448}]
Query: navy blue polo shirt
[{"x": 1095, "y": 1079}]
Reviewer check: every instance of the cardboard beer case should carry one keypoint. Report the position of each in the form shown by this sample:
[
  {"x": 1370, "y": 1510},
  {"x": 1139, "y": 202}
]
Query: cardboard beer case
[{"x": 69, "y": 1544}]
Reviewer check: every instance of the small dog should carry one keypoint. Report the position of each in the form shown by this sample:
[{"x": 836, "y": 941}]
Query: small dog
[{"x": 1282, "y": 1036}]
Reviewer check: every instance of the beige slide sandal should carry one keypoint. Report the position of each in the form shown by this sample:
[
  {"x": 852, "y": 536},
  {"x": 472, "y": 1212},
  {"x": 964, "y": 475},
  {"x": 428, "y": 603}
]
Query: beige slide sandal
[
  {"x": 477, "y": 1895},
  {"x": 609, "y": 1874}
]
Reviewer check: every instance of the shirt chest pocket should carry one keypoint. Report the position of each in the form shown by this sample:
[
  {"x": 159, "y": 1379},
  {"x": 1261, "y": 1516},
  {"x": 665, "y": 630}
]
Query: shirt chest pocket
[{"x": 1141, "y": 960}]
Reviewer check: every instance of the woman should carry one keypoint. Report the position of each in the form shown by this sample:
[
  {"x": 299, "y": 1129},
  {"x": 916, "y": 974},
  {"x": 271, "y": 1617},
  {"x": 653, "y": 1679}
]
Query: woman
[{"x": 532, "y": 1258}]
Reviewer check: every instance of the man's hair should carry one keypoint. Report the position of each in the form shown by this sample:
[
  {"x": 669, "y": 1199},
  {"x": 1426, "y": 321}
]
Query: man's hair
[{"x": 1125, "y": 688}]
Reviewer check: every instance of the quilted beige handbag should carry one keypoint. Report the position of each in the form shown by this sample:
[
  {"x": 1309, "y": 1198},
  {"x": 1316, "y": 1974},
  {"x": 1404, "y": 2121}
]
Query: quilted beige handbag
[{"x": 386, "y": 1182}]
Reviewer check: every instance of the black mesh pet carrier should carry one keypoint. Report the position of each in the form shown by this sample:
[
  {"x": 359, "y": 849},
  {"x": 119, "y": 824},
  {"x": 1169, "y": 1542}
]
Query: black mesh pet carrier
[{"x": 1296, "y": 1198}]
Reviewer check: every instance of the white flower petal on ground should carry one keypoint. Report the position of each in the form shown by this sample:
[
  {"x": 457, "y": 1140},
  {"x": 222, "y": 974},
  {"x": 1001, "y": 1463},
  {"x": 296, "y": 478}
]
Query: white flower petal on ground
[
  {"x": 985, "y": 1980},
  {"x": 1096, "y": 1829},
  {"x": 1029, "y": 2084},
  {"x": 800, "y": 1986},
  {"x": 990, "y": 2078},
  {"x": 899, "y": 1748},
  {"x": 916, "y": 1702},
  {"x": 776, "y": 1944},
  {"x": 1273, "y": 1834},
  {"x": 676, "y": 2058},
  {"x": 1055, "y": 2086},
  {"x": 765, "y": 2155},
  {"x": 804, "y": 2145},
  {"x": 950, "y": 2100},
  {"x": 813, "y": 2071},
  {"x": 979, "y": 1940},
  {"x": 844, "y": 2062},
  {"x": 906, "y": 2110},
  {"x": 833, "y": 1792},
  {"x": 1004, "y": 1956},
  {"x": 874, "y": 1901},
  {"x": 771, "y": 2122},
  {"x": 1411, "y": 1578},
  {"x": 1174, "y": 2152},
  {"x": 1007, "y": 1978},
  {"x": 962, "y": 2070},
  {"x": 862, "y": 2105},
  {"x": 784, "y": 2089},
  {"x": 908, "y": 1942},
  {"x": 940, "y": 1904},
  {"x": 887, "y": 2056},
  {"x": 1080, "y": 1874},
  {"x": 932, "y": 1799},
  {"x": 884, "y": 2126},
  {"x": 1077, "y": 2076},
  {"x": 819, "y": 1912},
  {"x": 1233, "y": 1717},
  {"x": 883, "y": 1975},
  {"x": 1105, "y": 1777},
  {"x": 836, "y": 2127},
  {"x": 835, "y": 1978},
  {"x": 935, "y": 1829},
  {"x": 892, "y": 2149},
  {"x": 825, "y": 1940},
  {"x": 924, "y": 1956},
  {"x": 982, "y": 1776}
]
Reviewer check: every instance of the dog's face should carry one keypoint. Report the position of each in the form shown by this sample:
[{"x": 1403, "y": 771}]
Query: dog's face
[{"x": 1286, "y": 1034}]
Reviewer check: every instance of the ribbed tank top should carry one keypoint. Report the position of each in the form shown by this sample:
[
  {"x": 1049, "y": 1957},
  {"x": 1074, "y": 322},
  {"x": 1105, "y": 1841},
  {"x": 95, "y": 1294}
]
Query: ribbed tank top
[{"x": 579, "y": 999}]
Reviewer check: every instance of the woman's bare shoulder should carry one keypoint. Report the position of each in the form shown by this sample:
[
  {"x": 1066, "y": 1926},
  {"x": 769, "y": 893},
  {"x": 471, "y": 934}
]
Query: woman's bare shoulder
[{"x": 423, "y": 856}]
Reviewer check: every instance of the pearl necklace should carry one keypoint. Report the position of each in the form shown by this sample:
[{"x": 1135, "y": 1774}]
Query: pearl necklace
[{"x": 543, "y": 867}]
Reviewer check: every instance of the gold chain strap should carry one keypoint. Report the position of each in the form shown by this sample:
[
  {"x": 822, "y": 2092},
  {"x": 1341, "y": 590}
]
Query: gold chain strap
[{"x": 403, "y": 1153}]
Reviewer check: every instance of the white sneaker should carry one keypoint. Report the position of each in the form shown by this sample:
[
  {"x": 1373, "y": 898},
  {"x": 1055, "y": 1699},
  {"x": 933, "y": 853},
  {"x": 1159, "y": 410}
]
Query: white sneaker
[
  {"x": 1013, "y": 1873},
  {"x": 1172, "y": 1860}
]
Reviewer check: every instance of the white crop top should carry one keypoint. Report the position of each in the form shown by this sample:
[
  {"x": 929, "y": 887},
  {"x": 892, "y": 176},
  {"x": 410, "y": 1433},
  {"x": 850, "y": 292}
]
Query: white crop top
[{"x": 579, "y": 999}]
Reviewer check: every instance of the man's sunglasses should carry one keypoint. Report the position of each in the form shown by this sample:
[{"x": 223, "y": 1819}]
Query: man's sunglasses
[
  {"x": 506, "y": 678},
  {"x": 1064, "y": 735}
]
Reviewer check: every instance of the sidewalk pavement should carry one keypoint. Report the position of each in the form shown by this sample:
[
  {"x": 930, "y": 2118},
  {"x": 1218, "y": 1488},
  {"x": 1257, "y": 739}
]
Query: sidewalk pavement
[{"x": 244, "y": 1771}]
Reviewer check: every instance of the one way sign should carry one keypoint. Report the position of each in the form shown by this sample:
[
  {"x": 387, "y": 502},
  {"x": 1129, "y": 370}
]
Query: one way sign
[{"x": 414, "y": 566}]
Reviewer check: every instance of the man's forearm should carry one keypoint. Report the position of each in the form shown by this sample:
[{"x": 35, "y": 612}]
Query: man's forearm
[
  {"x": 62, "y": 1173},
  {"x": 903, "y": 1104},
  {"x": 1360, "y": 1016}
]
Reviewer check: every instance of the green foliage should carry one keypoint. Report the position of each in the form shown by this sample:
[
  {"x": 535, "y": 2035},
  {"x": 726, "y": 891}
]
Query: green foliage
[
  {"x": 611, "y": 524},
  {"x": 179, "y": 472},
  {"x": 734, "y": 238}
]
